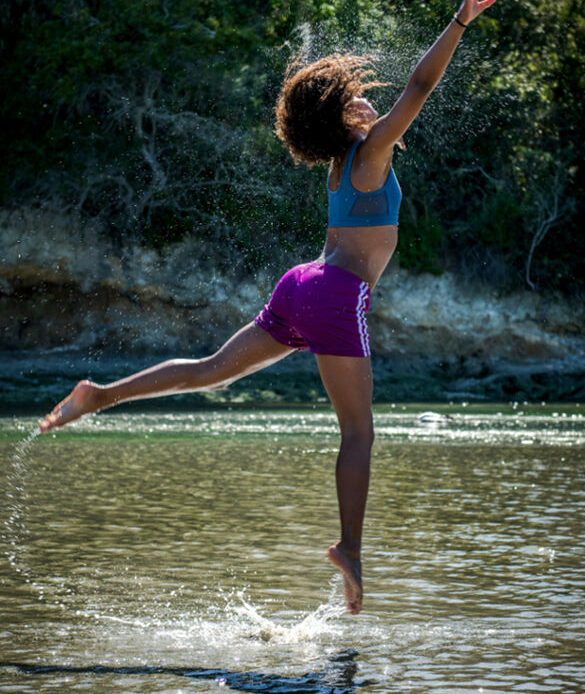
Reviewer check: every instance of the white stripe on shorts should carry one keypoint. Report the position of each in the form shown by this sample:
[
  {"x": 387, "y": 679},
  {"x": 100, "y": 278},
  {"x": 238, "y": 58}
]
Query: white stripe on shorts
[{"x": 361, "y": 318}]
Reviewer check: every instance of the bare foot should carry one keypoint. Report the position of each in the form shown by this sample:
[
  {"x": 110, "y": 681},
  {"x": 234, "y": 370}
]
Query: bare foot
[
  {"x": 351, "y": 569},
  {"x": 82, "y": 400}
]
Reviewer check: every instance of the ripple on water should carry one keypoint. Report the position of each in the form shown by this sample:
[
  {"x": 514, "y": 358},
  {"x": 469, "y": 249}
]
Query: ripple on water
[
  {"x": 165, "y": 541},
  {"x": 541, "y": 426}
]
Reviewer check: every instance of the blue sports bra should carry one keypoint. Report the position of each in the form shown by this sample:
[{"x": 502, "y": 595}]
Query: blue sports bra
[{"x": 349, "y": 207}]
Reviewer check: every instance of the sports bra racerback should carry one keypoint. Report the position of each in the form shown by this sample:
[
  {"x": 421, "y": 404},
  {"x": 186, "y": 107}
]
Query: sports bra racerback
[{"x": 349, "y": 207}]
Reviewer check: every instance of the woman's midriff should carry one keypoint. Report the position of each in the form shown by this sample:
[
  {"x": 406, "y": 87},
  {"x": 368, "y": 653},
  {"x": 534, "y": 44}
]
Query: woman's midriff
[{"x": 365, "y": 251}]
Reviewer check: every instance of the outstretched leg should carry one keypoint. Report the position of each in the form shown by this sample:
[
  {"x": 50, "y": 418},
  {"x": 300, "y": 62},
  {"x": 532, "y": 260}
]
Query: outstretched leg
[
  {"x": 348, "y": 382},
  {"x": 249, "y": 350}
]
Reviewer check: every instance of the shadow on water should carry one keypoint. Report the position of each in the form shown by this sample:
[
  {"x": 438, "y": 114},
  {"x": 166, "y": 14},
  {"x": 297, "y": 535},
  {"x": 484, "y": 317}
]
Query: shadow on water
[{"x": 336, "y": 678}]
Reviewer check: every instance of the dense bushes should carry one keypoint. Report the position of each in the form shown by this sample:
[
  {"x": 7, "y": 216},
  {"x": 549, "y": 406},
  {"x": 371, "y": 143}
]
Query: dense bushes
[{"x": 156, "y": 118}]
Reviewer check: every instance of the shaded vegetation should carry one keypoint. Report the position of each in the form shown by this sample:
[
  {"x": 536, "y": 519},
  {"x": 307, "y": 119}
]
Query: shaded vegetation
[{"x": 155, "y": 117}]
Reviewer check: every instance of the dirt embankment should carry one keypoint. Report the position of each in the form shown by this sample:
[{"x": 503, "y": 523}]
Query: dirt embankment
[{"x": 63, "y": 287}]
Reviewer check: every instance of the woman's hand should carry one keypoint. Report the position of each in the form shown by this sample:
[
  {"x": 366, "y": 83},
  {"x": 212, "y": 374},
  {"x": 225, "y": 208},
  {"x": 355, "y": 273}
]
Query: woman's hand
[{"x": 470, "y": 9}]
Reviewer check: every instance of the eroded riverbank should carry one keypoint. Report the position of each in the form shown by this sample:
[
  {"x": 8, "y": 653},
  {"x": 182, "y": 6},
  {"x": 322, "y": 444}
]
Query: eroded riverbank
[{"x": 74, "y": 305}]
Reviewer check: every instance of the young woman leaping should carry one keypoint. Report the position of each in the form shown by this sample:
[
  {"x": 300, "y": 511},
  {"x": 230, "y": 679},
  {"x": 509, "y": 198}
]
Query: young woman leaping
[{"x": 322, "y": 117}]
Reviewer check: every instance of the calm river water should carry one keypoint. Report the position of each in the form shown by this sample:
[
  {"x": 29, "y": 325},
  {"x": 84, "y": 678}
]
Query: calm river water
[{"x": 186, "y": 553}]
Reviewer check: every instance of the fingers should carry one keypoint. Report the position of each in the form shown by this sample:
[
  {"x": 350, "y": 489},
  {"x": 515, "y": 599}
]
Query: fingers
[
  {"x": 483, "y": 5},
  {"x": 470, "y": 9}
]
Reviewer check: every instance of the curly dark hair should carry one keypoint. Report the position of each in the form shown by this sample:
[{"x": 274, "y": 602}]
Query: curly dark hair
[{"x": 310, "y": 111}]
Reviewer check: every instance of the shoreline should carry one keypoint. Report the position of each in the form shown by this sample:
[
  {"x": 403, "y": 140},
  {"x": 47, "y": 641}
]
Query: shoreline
[
  {"x": 34, "y": 382},
  {"x": 74, "y": 306}
]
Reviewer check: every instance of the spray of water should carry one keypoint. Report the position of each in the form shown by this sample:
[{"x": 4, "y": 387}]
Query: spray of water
[
  {"x": 224, "y": 630},
  {"x": 219, "y": 626},
  {"x": 397, "y": 42},
  {"x": 15, "y": 532},
  {"x": 308, "y": 628}
]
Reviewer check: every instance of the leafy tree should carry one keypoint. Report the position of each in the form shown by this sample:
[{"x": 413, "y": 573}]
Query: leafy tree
[{"x": 155, "y": 116}]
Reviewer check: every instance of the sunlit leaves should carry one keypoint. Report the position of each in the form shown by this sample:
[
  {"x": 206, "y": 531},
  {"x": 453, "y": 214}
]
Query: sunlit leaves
[{"x": 157, "y": 116}]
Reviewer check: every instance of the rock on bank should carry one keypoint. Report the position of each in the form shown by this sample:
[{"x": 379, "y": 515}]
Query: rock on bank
[{"x": 63, "y": 286}]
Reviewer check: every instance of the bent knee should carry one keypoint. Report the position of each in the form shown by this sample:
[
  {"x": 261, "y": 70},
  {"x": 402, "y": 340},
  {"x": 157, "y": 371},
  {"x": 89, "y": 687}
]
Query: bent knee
[{"x": 358, "y": 435}]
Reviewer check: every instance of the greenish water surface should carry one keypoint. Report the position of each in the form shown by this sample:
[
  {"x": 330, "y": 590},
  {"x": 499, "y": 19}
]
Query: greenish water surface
[{"x": 186, "y": 552}]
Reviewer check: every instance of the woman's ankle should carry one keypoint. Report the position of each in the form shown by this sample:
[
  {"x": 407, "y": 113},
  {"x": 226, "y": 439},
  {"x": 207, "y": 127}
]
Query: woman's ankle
[{"x": 351, "y": 550}]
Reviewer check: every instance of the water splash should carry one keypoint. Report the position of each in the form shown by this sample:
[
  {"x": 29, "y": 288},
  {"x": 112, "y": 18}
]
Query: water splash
[
  {"x": 16, "y": 533},
  {"x": 223, "y": 630},
  {"x": 309, "y": 628},
  {"x": 219, "y": 627}
]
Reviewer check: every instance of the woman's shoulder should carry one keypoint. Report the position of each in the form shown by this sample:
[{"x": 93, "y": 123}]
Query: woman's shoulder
[{"x": 369, "y": 169}]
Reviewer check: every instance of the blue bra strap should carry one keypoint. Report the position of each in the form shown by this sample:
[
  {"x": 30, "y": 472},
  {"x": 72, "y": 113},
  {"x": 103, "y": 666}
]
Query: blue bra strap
[{"x": 346, "y": 173}]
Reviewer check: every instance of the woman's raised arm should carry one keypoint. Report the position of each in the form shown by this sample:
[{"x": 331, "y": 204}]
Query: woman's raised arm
[{"x": 389, "y": 128}]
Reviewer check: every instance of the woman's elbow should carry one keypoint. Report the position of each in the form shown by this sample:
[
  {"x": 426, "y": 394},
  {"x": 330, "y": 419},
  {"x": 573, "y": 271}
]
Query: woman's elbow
[{"x": 421, "y": 84}]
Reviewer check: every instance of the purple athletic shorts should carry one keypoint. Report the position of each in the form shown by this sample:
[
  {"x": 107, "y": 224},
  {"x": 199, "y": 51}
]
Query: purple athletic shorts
[{"x": 319, "y": 307}]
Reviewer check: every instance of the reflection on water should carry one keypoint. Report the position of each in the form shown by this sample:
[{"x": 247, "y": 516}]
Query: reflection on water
[{"x": 137, "y": 549}]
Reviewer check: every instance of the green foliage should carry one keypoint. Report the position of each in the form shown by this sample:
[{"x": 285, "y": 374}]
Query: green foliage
[
  {"x": 420, "y": 244},
  {"x": 156, "y": 118},
  {"x": 497, "y": 218}
]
